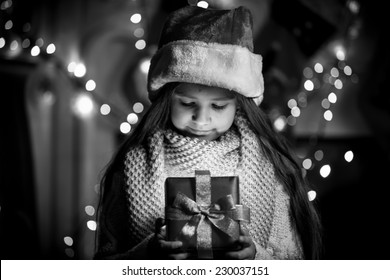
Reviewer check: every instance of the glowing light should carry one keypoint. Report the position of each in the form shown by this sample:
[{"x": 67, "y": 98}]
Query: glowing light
[
  {"x": 296, "y": 112},
  {"x": 347, "y": 70},
  {"x": 80, "y": 70},
  {"x": 72, "y": 67},
  {"x": 302, "y": 99},
  {"x": 136, "y": 18},
  {"x": 339, "y": 52},
  {"x": 325, "y": 170},
  {"x": 308, "y": 73},
  {"x": 68, "y": 240},
  {"x": 90, "y": 210},
  {"x": 328, "y": 115},
  {"x": 311, "y": 195},
  {"x": 338, "y": 84},
  {"x": 125, "y": 127},
  {"x": 144, "y": 66},
  {"x": 26, "y": 27},
  {"x": 48, "y": 98},
  {"x": 83, "y": 105},
  {"x": 6, "y": 4},
  {"x": 308, "y": 85},
  {"x": 291, "y": 120},
  {"x": 307, "y": 164},
  {"x": 318, "y": 67},
  {"x": 26, "y": 43},
  {"x": 2, "y": 42},
  {"x": 138, "y": 107},
  {"x": 332, "y": 97},
  {"x": 140, "y": 44},
  {"x": 91, "y": 225},
  {"x": 90, "y": 85},
  {"x": 69, "y": 252},
  {"x": 325, "y": 103},
  {"x": 132, "y": 118},
  {"x": 35, "y": 51},
  {"x": 319, "y": 155},
  {"x": 8, "y": 25},
  {"x": 14, "y": 45},
  {"x": 203, "y": 4},
  {"x": 292, "y": 103},
  {"x": 334, "y": 72},
  {"x": 280, "y": 123},
  {"x": 139, "y": 32},
  {"x": 348, "y": 156},
  {"x": 51, "y": 48},
  {"x": 353, "y": 6},
  {"x": 105, "y": 109}
]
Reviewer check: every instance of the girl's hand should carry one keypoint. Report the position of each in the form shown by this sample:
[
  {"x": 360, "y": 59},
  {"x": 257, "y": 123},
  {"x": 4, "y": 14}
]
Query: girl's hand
[
  {"x": 247, "y": 249},
  {"x": 164, "y": 249}
]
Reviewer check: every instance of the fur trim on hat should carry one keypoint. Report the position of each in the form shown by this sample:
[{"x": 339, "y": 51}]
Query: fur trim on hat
[{"x": 212, "y": 64}]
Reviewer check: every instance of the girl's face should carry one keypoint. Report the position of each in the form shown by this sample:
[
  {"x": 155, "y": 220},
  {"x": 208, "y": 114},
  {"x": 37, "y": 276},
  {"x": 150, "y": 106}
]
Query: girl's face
[{"x": 201, "y": 111}]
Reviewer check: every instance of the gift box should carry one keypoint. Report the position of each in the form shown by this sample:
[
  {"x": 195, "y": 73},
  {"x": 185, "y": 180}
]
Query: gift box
[{"x": 204, "y": 213}]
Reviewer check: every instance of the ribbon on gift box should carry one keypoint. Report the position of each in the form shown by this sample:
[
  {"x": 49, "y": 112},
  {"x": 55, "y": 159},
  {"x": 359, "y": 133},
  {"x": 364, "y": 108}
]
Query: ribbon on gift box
[{"x": 202, "y": 215}]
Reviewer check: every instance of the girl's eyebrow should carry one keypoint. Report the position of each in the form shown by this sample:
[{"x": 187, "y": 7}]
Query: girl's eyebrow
[{"x": 194, "y": 96}]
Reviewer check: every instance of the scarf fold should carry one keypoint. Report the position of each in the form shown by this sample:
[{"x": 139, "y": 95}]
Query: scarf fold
[{"x": 169, "y": 154}]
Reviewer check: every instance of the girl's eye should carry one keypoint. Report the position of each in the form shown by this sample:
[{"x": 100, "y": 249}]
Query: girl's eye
[
  {"x": 219, "y": 107},
  {"x": 187, "y": 104}
]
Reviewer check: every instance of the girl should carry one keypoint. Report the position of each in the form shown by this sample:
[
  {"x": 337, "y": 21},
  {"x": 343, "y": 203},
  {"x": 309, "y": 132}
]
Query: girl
[{"x": 205, "y": 84}]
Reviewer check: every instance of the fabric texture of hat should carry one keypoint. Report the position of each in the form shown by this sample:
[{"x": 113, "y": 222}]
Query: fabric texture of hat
[{"x": 208, "y": 47}]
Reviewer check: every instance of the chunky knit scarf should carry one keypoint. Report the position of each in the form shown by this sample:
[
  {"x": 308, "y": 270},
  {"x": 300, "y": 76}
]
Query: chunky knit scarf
[{"x": 169, "y": 154}]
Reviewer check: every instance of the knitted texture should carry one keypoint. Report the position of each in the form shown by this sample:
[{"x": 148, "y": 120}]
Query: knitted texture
[{"x": 237, "y": 152}]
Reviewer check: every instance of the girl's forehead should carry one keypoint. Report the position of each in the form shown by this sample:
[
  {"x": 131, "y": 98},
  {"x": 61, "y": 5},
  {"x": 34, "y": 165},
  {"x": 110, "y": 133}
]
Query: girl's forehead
[{"x": 200, "y": 91}]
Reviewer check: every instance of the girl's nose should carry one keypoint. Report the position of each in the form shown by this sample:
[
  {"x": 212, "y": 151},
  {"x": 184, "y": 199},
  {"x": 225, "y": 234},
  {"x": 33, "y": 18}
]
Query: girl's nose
[{"x": 202, "y": 116}]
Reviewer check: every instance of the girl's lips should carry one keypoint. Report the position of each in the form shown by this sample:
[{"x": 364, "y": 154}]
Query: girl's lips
[{"x": 199, "y": 132}]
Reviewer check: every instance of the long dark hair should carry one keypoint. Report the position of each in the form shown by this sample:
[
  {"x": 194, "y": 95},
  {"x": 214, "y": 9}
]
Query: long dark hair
[{"x": 304, "y": 214}]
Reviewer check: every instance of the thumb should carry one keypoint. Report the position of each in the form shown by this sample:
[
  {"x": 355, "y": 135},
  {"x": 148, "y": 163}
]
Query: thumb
[
  {"x": 244, "y": 230},
  {"x": 160, "y": 222}
]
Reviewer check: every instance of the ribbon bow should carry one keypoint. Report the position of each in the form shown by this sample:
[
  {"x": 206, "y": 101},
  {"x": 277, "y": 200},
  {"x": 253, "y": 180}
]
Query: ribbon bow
[{"x": 223, "y": 215}]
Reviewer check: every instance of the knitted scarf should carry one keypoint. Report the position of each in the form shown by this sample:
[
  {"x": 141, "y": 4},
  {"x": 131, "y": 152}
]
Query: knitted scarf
[{"x": 169, "y": 154}]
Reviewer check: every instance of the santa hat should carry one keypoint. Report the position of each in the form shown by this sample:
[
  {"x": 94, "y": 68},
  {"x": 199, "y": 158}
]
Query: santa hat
[{"x": 208, "y": 47}]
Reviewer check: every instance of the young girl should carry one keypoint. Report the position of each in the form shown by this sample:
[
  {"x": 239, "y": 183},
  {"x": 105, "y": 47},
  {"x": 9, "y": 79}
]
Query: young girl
[{"x": 205, "y": 84}]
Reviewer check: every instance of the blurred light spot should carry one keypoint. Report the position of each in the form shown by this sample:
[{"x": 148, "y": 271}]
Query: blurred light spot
[
  {"x": 280, "y": 123},
  {"x": 83, "y": 105},
  {"x": 334, "y": 72},
  {"x": 332, "y": 97},
  {"x": 26, "y": 43},
  {"x": 338, "y": 84},
  {"x": 325, "y": 170},
  {"x": 311, "y": 195},
  {"x": 39, "y": 42},
  {"x": 35, "y": 51},
  {"x": 307, "y": 164},
  {"x": 325, "y": 103},
  {"x": 308, "y": 73},
  {"x": 136, "y": 18},
  {"x": 26, "y": 27},
  {"x": 140, "y": 44},
  {"x": 348, "y": 156},
  {"x": 48, "y": 98},
  {"x": 340, "y": 52},
  {"x": 192, "y": 2},
  {"x": 316, "y": 83},
  {"x": 2, "y": 42},
  {"x": 14, "y": 45},
  {"x": 80, "y": 70},
  {"x": 308, "y": 85},
  {"x": 139, "y": 32},
  {"x": 51, "y": 48},
  {"x": 96, "y": 188},
  {"x": 68, "y": 240},
  {"x": 319, "y": 155},
  {"x": 291, "y": 120},
  {"x": 328, "y": 115},
  {"x": 353, "y": 6},
  {"x": 132, "y": 118},
  {"x": 105, "y": 109},
  {"x": 8, "y": 25},
  {"x": 302, "y": 99},
  {"x": 69, "y": 252},
  {"x": 318, "y": 68},
  {"x": 138, "y": 107},
  {"x": 125, "y": 127},
  {"x": 90, "y": 85},
  {"x": 91, "y": 225},
  {"x": 347, "y": 70},
  {"x": 354, "y": 78},
  {"x": 203, "y": 4},
  {"x": 6, "y": 4},
  {"x": 90, "y": 210},
  {"x": 292, "y": 103},
  {"x": 144, "y": 65},
  {"x": 71, "y": 67},
  {"x": 296, "y": 112}
]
